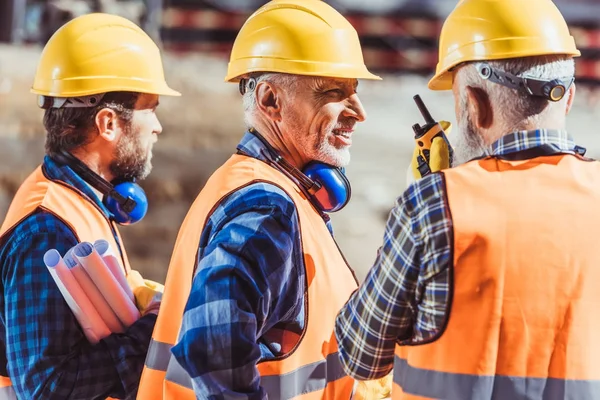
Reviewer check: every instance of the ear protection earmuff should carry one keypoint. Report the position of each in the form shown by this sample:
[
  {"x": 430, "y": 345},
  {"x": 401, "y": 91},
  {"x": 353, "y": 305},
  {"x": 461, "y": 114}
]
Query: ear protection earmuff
[
  {"x": 125, "y": 200},
  {"x": 327, "y": 187}
]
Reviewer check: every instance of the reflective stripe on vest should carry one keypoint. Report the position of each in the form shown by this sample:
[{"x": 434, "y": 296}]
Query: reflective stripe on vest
[
  {"x": 523, "y": 317},
  {"x": 309, "y": 378},
  {"x": 6, "y": 390},
  {"x": 463, "y": 386},
  {"x": 65, "y": 202},
  {"x": 312, "y": 369}
]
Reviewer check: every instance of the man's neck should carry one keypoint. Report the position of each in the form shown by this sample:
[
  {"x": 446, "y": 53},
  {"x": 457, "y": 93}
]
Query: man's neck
[
  {"x": 548, "y": 123},
  {"x": 93, "y": 161},
  {"x": 277, "y": 140}
]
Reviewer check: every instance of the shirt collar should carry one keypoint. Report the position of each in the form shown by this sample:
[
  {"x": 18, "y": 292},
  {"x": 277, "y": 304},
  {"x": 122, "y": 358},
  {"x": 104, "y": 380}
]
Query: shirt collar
[
  {"x": 252, "y": 146},
  {"x": 524, "y": 140},
  {"x": 65, "y": 174}
]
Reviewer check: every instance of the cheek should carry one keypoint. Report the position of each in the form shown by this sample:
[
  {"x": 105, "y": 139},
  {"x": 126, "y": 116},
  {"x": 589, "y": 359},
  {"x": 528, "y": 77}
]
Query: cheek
[{"x": 326, "y": 118}]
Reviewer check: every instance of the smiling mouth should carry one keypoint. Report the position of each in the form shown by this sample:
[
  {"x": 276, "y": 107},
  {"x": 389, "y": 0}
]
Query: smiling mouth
[{"x": 346, "y": 133}]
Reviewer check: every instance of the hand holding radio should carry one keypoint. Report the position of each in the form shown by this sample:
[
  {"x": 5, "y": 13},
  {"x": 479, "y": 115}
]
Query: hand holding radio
[{"x": 433, "y": 151}]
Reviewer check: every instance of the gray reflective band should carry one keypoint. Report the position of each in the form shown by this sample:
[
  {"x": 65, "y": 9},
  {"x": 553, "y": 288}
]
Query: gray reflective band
[
  {"x": 7, "y": 393},
  {"x": 178, "y": 375},
  {"x": 448, "y": 386},
  {"x": 306, "y": 379},
  {"x": 158, "y": 355}
]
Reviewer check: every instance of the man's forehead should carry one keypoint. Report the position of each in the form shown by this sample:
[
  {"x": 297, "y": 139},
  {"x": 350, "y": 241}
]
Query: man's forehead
[
  {"x": 338, "y": 81},
  {"x": 146, "y": 101}
]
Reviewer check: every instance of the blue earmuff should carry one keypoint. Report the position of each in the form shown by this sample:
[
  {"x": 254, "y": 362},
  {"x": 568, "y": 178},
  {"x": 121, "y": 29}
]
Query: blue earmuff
[
  {"x": 335, "y": 189},
  {"x": 125, "y": 200},
  {"x": 326, "y": 186},
  {"x": 134, "y": 207}
]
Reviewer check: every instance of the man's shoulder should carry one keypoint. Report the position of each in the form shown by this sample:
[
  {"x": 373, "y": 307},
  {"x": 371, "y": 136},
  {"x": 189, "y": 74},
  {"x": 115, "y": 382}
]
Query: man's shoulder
[
  {"x": 257, "y": 196},
  {"x": 424, "y": 192},
  {"x": 40, "y": 222}
]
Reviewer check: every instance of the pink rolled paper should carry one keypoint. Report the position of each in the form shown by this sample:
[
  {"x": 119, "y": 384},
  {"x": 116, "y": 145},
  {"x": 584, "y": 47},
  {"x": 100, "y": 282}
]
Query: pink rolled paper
[
  {"x": 103, "y": 248},
  {"x": 105, "y": 281},
  {"x": 90, "y": 321},
  {"x": 108, "y": 315}
]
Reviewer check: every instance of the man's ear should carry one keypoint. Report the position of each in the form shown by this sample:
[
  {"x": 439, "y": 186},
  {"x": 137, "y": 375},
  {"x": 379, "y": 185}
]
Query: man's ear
[
  {"x": 480, "y": 107},
  {"x": 268, "y": 100},
  {"x": 571, "y": 98},
  {"x": 106, "y": 123}
]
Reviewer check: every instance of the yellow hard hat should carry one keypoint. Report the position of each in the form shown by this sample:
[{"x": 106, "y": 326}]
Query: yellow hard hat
[
  {"x": 498, "y": 29},
  {"x": 99, "y": 53},
  {"x": 303, "y": 37}
]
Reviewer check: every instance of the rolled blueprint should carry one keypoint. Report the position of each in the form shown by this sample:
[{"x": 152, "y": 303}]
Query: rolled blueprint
[
  {"x": 90, "y": 321},
  {"x": 105, "y": 281},
  {"x": 99, "y": 302},
  {"x": 112, "y": 262}
]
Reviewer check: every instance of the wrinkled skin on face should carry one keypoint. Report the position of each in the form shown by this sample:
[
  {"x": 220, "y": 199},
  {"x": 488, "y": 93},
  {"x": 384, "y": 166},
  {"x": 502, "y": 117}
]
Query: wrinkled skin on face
[
  {"x": 319, "y": 116},
  {"x": 133, "y": 151}
]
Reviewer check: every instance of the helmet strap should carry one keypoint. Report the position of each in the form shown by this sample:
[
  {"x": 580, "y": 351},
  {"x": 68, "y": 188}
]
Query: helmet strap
[
  {"x": 93, "y": 100},
  {"x": 247, "y": 85},
  {"x": 552, "y": 90}
]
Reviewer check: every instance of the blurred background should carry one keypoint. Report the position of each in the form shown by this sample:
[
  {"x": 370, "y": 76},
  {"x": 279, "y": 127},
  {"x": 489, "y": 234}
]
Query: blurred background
[{"x": 202, "y": 128}]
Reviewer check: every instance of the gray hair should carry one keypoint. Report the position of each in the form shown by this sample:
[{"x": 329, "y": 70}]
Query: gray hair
[
  {"x": 287, "y": 81},
  {"x": 520, "y": 109}
]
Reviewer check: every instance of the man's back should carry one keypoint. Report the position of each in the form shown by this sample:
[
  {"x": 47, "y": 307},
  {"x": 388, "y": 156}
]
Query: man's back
[{"x": 524, "y": 269}]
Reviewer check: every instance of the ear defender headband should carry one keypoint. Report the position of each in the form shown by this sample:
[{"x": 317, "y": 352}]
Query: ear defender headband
[
  {"x": 327, "y": 187},
  {"x": 553, "y": 90},
  {"x": 125, "y": 200}
]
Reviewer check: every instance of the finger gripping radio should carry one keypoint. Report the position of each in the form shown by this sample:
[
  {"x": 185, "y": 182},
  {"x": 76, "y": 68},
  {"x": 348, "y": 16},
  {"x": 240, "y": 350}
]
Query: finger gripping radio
[{"x": 424, "y": 136}]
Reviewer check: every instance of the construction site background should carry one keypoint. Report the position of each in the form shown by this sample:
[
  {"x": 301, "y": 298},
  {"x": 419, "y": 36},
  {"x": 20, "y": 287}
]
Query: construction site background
[{"x": 202, "y": 127}]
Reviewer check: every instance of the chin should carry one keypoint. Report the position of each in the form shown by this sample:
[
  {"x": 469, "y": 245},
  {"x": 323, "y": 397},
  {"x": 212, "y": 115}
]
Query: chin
[{"x": 337, "y": 157}]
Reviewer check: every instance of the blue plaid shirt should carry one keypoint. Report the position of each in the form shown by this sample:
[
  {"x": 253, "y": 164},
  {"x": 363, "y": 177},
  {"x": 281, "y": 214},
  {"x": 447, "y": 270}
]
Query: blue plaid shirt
[
  {"x": 42, "y": 347},
  {"x": 248, "y": 290},
  {"x": 405, "y": 295}
]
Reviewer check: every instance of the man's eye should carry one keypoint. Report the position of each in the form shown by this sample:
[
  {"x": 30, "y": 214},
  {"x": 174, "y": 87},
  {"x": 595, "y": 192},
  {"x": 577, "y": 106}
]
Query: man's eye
[{"x": 335, "y": 91}]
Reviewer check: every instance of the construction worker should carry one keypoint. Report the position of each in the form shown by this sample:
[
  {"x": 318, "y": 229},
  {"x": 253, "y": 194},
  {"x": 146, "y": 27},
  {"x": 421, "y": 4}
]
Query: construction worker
[
  {"x": 484, "y": 287},
  {"x": 98, "y": 80},
  {"x": 256, "y": 278}
]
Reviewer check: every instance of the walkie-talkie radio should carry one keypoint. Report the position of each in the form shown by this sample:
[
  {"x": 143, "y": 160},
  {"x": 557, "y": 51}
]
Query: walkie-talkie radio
[{"x": 425, "y": 134}]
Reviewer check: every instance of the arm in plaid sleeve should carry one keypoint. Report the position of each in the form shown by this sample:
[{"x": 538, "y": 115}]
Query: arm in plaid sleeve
[
  {"x": 247, "y": 283},
  {"x": 48, "y": 356},
  {"x": 405, "y": 294}
]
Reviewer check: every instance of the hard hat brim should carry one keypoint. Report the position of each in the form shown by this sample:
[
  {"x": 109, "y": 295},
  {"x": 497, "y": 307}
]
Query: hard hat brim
[
  {"x": 160, "y": 90},
  {"x": 235, "y": 74}
]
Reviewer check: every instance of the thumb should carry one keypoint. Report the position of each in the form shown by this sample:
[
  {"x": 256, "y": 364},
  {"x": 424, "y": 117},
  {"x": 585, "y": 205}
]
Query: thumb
[
  {"x": 446, "y": 127},
  {"x": 439, "y": 156}
]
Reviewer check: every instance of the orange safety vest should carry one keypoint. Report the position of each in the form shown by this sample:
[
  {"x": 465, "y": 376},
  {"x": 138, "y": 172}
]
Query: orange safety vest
[
  {"x": 311, "y": 369},
  {"x": 523, "y": 320},
  {"x": 69, "y": 205}
]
